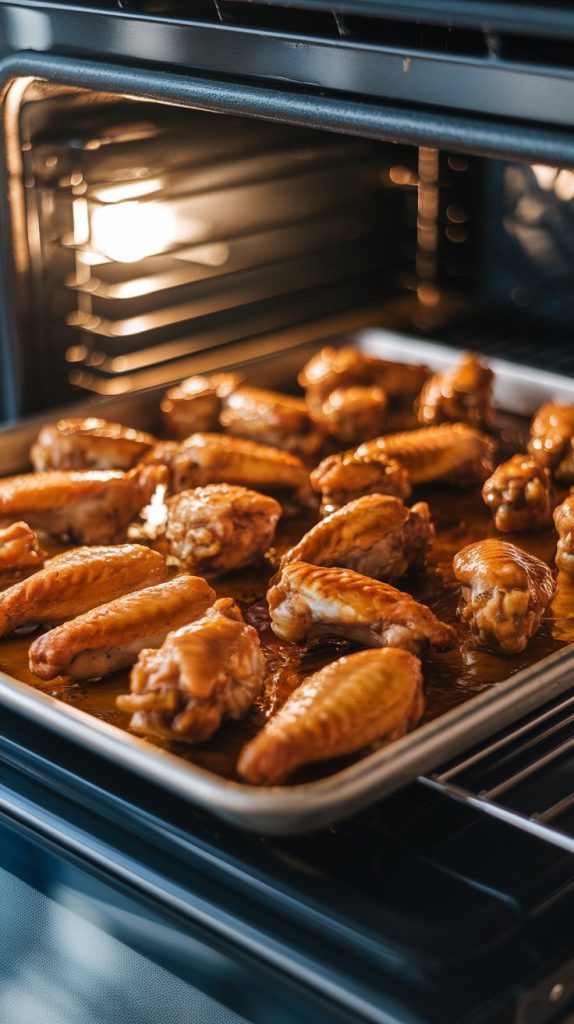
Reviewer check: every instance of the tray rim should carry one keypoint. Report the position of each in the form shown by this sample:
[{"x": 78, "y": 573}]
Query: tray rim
[{"x": 304, "y": 807}]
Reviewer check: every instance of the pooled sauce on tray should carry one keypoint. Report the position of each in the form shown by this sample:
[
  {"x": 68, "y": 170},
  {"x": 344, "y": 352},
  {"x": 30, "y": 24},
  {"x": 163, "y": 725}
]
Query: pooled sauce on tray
[{"x": 451, "y": 677}]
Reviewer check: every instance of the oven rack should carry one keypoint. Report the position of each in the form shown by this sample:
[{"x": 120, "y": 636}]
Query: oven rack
[{"x": 524, "y": 775}]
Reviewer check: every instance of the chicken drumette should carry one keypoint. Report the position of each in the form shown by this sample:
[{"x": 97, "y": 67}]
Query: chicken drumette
[
  {"x": 112, "y": 635},
  {"x": 309, "y": 602},
  {"x": 220, "y": 527},
  {"x": 218, "y": 459},
  {"x": 350, "y": 413},
  {"x": 271, "y": 418},
  {"x": 552, "y": 440},
  {"x": 451, "y": 453},
  {"x": 196, "y": 403},
  {"x": 88, "y": 443},
  {"x": 521, "y": 495},
  {"x": 78, "y": 580},
  {"x": 564, "y": 523},
  {"x": 505, "y": 592},
  {"x": 375, "y": 535},
  {"x": 20, "y": 553},
  {"x": 344, "y": 367},
  {"x": 84, "y": 506},
  {"x": 463, "y": 395},
  {"x": 366, "y": 697},
  {"x": 205, "y": 672},
  {"x": 341, "y": 478}
]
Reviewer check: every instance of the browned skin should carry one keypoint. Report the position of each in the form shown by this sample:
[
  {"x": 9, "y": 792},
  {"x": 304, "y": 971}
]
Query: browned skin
[
  {"x": 88, "y": 443},
  {"x": 505, "y": 592},
  {"x": 111, "y": 636},
  {"x": 308, "y": 602},
  {"x": 341, "y": 478},
  {"x": 333, "y": 368},
  {"x": 452, "y": 453},
  {"x": 375, "y": 535},
  {"x": 564, "y": 523},
  {"x": 461, "y": 395},
  {"x": 220, "y": 527},
  {"x": 196, "y": 403},
  {"x": 78, "y": 580},
  {"x": 552, "y": 440},
  {"x": 365, "y": 697},
  {"x": 84, "y": 506},
  {"x": 219, "y": 459},
  {"x": 20, "y": 553},
  {"x": 520, "y": 494},
  {"x": 272, "y": 418},
  {"x": 350, "y": 414},
  {"x": 205, "y": 672}
]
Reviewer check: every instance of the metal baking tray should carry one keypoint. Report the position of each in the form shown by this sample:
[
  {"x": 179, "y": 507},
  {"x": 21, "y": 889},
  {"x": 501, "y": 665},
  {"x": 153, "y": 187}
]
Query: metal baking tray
[{"x": 304, "y": 807}]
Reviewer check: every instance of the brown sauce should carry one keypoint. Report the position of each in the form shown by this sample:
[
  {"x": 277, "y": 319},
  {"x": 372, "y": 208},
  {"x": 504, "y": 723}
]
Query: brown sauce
[{"x": 451, "y": 678}]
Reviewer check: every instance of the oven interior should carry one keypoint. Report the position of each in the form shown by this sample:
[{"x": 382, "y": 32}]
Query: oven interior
[{"x": 148, "y": 241}]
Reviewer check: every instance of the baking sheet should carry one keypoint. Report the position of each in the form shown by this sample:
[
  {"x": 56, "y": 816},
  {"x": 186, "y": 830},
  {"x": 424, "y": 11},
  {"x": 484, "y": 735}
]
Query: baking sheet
[{"x": 467, "y": 683}]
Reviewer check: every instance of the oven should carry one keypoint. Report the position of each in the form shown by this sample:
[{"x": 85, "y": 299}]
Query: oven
[{"x": 194, "y": 186}]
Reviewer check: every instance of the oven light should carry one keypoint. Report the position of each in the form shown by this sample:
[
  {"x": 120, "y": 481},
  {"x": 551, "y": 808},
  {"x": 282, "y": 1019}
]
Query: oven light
[{"x": 129, "y": 232}]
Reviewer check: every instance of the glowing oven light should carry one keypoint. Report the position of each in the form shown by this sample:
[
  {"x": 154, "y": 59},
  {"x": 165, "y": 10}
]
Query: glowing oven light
[{"x": 129, "y": 232}]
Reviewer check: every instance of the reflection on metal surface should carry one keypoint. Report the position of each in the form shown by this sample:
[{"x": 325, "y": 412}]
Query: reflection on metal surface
[{"x": 129, "y": 232}]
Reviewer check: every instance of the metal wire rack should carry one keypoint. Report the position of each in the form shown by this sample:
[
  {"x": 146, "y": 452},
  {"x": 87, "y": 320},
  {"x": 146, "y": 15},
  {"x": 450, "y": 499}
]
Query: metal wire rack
[{"x": 524, "y": 776}]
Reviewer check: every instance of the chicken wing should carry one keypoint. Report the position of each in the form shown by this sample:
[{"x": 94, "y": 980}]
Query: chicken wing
[
  {"x": 271, "y": 418},
  {"x": 89, "y": 443},
  {"x": 350, "y": 413},
  {"x": 505, "y": 592},
  {"x": 452, "y": 453},
  {"x": 333, "y": 368},
  {"x": 78, "y": 580},
  {"x": 365, "y": 697},
  {"x": 196, "y": 403},
  {"x": 84, "y": 506},
  {"x": 375, "y": 535},
  {"x": 219, "y": 459},
  {"x": 521, "y": 495},
  {"x": 205, "y": 672},
  {"x": 341, "y": 478},
  {"x": 112, "y": 635},
  {"x": 220, "y": 527},
  {"x": 462, "y": 395},
  {"x": 20, "y": 553},
  {"x": 309, "y": 602},
  {"x": 564, "y": 523},
  {"x": 552, "y": 440}
]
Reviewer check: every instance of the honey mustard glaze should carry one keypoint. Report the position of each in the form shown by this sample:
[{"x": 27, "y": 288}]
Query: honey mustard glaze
[{"x": 451, "y": 678}]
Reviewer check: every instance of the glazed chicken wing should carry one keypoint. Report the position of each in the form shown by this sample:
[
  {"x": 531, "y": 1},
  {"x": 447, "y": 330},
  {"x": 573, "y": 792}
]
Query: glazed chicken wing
[
  {"x": 375, "y": 535},
  {"x": 552, "y": 440},
  {"x": 452, "y": 453},
  {"x": 521, "y": 495},
  {"x": 78, "y": 580},
  {"x": 505, "y": 592},
  {"x": 205, "y": 672},
  {"x": 309, "y": 602},
  {"x": 341, "y": 478},
  {"x": 219, "y": 459},
  {"x": 564, "y": 523},
  {"x": 84, "y": 507},
  {"x": 349, "y": 414},
  {"x": 20, "y": 553},
  {"x": 333, "y": 368},
  {"x": 220, "y": 527},
  {"x": 89, "y": 443},
  {"x": 271, "y": 418},
  {"x": 463, "y": 395},
  {"x": 366, "y": 697},
  {"x": 196, "y": 403},
  {"x": 112, "y": 635}
]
